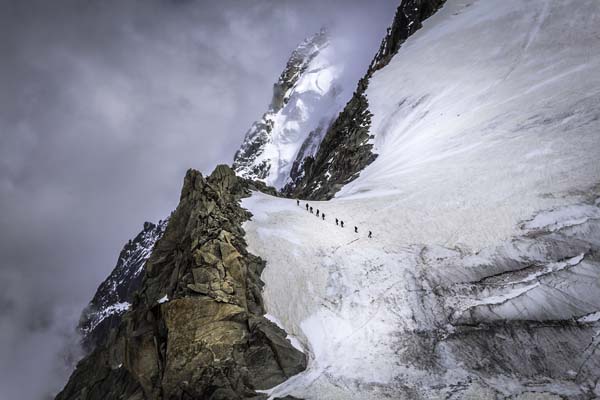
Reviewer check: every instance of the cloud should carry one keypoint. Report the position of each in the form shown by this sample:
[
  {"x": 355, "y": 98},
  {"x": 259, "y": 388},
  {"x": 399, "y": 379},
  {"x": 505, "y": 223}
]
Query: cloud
[{"x": 104, "y": 105}]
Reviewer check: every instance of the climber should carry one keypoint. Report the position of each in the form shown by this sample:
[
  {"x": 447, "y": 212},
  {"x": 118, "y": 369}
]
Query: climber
[
  {"x": 370, "y": 234},
  {"x": 311, "y": 210},
  {"x": 317, "y": 212},
  {"x": 306, "y": 206},
  {"x": 297, "y": 202},
  {"x": 356, "y": 229},
  {"x": 342, "y": 223},
  {"x": 337, "y": 221},
  {"x": 323, "y": 216}
]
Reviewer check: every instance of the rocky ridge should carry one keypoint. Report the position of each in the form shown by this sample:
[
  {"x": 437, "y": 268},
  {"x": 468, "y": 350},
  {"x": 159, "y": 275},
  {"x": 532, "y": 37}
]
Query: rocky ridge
[
  {"x": 115, "y": 295},
  {"x": 196, "y": 327}
]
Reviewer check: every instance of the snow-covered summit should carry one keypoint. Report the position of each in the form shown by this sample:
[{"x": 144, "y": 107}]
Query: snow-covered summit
[{"x": 306, "y": 98}]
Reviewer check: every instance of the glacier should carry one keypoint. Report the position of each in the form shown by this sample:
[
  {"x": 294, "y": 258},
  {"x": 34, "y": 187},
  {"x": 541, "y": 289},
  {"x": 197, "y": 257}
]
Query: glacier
[{"x": 482, "y": 279}]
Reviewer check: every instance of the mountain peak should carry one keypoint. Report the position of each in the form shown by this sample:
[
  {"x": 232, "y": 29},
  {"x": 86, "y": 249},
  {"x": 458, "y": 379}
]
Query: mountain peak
[
  {"x": 306, "y": 97},
  {"x": 297, "y": 64}
]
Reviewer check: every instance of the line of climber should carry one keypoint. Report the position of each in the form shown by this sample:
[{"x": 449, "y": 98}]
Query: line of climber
[{"x": 337, "y": 221}]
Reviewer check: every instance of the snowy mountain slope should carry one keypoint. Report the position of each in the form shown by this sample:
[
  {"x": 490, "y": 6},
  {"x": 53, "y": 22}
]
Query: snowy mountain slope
[
  {"x": 305, "y": 100},
  {"x": 482, "y": 279},
  {"x": 114, "y": 296},
  {"x": 423, "y": 321},
  {"x": 345, "y": 149}
]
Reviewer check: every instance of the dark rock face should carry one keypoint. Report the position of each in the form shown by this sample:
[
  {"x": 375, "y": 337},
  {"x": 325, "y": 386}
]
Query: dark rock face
[
  {"x": 196, "y": 328},
  {"x": 408, "y": 19},
  {"x": 309, "y": 147},
  {"x": 115, "y": 295},
  {"x": 343, "y": 153},
  {"x": 345, "y": 150}
]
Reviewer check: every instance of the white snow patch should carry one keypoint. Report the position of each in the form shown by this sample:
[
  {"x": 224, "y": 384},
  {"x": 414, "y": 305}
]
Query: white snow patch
[
  {"x": 163, "y": 299},
  {"x": 99, "y": 316},
  {"x": 564, "y": 216},
  {"x": 594, "y": 317},
  {"x": 516, "y": 292},
  {"x": 553, "y": 267}
]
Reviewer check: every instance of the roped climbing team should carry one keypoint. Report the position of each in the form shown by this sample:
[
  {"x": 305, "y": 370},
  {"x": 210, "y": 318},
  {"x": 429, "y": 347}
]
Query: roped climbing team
[{"x": 337, "y": 221}]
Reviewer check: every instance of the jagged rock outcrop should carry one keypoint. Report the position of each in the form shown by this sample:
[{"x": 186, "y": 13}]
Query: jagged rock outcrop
[
  {"x": 115, "y": 295},
  {"x": 345, "y": 149},
  {"x": 196, "y": 328}
]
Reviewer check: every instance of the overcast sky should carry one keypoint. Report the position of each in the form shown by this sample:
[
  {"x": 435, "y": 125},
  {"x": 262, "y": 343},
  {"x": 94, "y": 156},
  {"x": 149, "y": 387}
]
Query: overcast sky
[{"x": 104, "y": 104}]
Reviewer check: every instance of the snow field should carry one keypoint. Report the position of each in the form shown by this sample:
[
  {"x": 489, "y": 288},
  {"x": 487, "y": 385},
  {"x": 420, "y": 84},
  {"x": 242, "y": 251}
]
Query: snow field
[
  {"x": 486, "y": 115},
  {"x": 335, "y": 285},
  {"x": 487, "y": 127}
]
